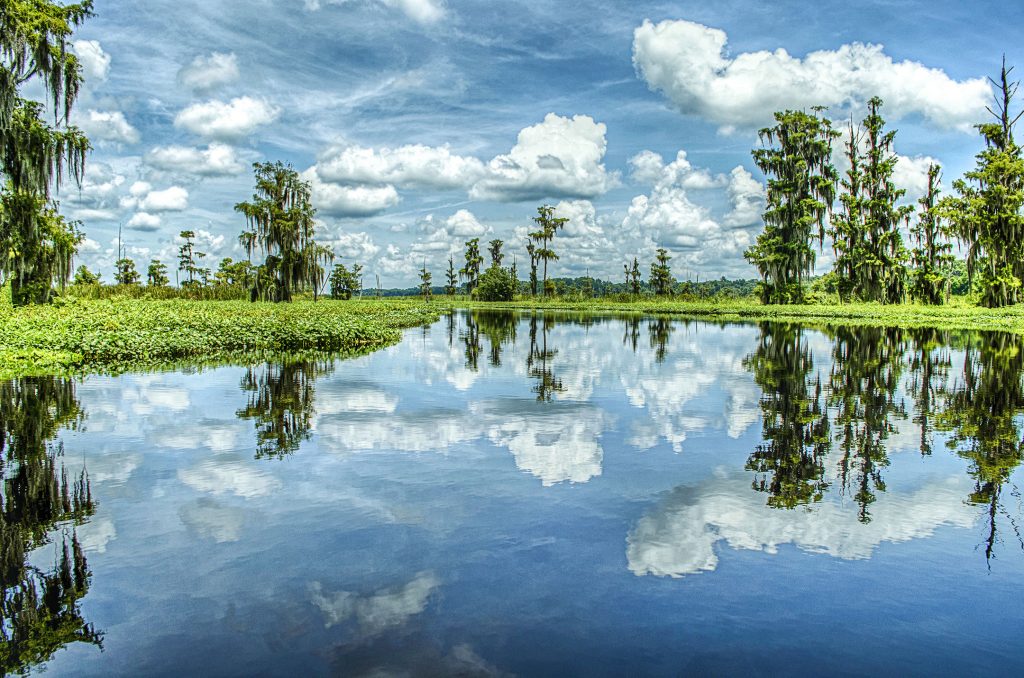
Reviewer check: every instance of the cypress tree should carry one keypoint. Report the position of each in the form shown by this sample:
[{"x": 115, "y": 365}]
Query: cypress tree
[
  {"x": 932, "y": 256},
  {"x": 801, "y": 190}
]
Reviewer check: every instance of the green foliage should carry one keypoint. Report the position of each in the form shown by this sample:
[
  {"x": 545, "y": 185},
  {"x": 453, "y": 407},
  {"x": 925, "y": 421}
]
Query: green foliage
[
  {"x": 280, "y": 220},
  {"x": 425, "y": 277},
  {"x": 36, "y": 244},
  {"x": 494, "y": 248},
  {"x": 156, "y": 274},
  {"x": 345, "y": 283},
  {"x": 126, "y": 273},
  {"x": 932, "y": 255},
  {"x": 497, "y": 284},
  {"x": 114, "y": 334},
  {"x": 870, "y": 256},
  {"x": 801, "y": 189},
  {"x": 547, "y": 226},
  {"x": 83, "y": 276},
  {"x": 471, "y": 271},
  {"x": 661, "y": 274},
  {"x": 452, "y": 278},
  {"x": 241, "y": 274},
  {"x": 986, "y": 212}
]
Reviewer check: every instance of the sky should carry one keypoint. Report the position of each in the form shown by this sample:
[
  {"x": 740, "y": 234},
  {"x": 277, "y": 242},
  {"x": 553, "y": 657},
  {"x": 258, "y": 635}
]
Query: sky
[{"x": 423, "y": 123}]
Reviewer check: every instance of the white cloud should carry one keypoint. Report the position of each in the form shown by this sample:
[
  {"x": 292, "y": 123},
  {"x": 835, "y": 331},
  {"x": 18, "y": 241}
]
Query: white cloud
[
  {"x": 405, "y": 166},
  {"x": 559, "y": 157},
  {"x": 109, "y": 126},
  {"x": 646, "y": 167},
  {"x": 356, "y": 200},
  {"x": 216, "y": 160},
  {"x": 95, "y": 62},
  {"x": 357, "y": 247},
  {"x": 421, "y": 11},
  {"x": 687, "y": 62},
  {"x": 173, "y": 199},
  {"x": 144, "y": 221},
  {"x": 220, "y": 476},
  {"x": 209, "y": 72},
  {"x": 463, "y": 224},
  {"x": 747, "y": 196},
  {"x": 229, "y": 121}
]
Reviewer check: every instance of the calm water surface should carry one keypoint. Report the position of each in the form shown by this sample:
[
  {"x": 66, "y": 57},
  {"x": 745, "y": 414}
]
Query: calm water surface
[{"x": 528, "y": 495}]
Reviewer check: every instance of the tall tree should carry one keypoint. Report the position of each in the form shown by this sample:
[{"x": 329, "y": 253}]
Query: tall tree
[
  {"x": 156, "y": 274},
  {"x": 932, "y": 256},
  {"x": 494, "y": 247},
  {"x": 635, "y": 274},
  {"x": 188, "y": 257},
  {"x": 280, "y": 215},
  {"x": 425, "y": 278},
  {"x": 531, "y": 249},
  {"x": 36, "y": 243},
  {"x": 661, "y": 274},
  {"x": 452, "y": 278},
  {"x": 986, "y": 214},
  {"x": 83, "y": 276},
  {"x": 870, "y": 256},
  {"x": 801, "y": 190},
  {"x": 471, "y": 271},
  {"x": 126, "y": 273},
  {"x": 547, "y": 226}
]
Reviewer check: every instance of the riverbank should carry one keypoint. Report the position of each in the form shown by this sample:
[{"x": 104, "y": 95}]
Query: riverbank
[
  {"x": 114, "y": 335},
  {"x": 958, "y": 316}
]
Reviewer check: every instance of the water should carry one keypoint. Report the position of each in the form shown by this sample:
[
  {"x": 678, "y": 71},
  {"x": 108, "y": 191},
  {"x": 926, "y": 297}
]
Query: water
[{"x": 525, "y": 495}]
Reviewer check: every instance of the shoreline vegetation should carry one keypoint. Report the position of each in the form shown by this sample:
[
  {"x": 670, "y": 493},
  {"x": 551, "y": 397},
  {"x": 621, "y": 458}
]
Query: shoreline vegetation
[
  {"x": 81, "y": 336},
  {"x": 119, "y": 334}
]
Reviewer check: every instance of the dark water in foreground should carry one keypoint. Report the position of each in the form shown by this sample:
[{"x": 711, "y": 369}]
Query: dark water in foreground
[{"x": 517, "y": 495}]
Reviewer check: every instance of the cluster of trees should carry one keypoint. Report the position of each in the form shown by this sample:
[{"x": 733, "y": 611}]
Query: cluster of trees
[{"x": 872, "y": 262}]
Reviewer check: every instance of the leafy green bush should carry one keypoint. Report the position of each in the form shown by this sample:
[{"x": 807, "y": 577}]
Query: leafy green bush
[{"x": 496, "y": 284}]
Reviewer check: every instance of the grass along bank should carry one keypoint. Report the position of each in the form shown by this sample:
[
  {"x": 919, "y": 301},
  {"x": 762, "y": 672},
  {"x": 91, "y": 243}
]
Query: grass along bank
[
  {"x": 113, "y": 335},
  {"x": 958, "y": 315}
]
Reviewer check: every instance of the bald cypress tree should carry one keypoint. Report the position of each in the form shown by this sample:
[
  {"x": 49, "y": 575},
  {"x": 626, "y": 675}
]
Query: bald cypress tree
[
  {"x": 36, "y": 244},
  {"x": 796, "y": 157},
  {"x": 870, "y": 255},
  {"x": 986, "y": 214},
  {"x": 932, "y": 256}
]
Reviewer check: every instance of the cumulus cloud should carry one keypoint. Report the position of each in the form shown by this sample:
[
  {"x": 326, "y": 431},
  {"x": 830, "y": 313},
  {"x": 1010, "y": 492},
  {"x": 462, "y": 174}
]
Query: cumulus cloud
[
  {"x": 406, "y": 166},
  {"x": 110, "y": 126},
  {"x": 228, "y": 121},
  {"x": 205, "y": 73},
  {"x": 747, "y": 196},
  {"x": 559, "y": 157},
  {"x": 216, "y": 160},
  {"x": 173, "y": 199},
  {"x": 95, "y": 62},
  {"x": 688, "y": 63},
  {"x": 144, "y": 221},
  {"x": 349, "y": 200},
  {"x": 667, "y": 211}
]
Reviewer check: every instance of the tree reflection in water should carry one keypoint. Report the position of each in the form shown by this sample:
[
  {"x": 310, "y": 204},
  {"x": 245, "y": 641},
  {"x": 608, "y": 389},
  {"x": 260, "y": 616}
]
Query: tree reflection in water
[
  {"x": 982, "y": 417},
  {"x": 859, "y": 409},
  {"x": 40, "y": 608},
  {"x": 866, "y": 366},
  {"x": 789, "y": 465},
  {"x": 280, "y": 403}
]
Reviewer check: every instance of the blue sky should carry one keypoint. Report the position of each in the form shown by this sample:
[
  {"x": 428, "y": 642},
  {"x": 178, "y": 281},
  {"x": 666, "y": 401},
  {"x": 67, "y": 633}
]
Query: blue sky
[{"x": 422, "y": 123}]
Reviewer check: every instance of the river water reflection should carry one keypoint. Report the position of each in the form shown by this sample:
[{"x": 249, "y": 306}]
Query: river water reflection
[{"x": 507, "y": 494}]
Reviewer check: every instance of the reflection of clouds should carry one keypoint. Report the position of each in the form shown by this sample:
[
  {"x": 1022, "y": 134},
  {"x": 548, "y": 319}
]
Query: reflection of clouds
[
  {"x": 214, "y": 435},
  {"x": 385, "y": 609},
  {"x": 679, "y": 536},
  {"x": 358, "y": 398},
  {"x": 556, "y": 444},
  {"x": 207, "y": 518},
  {"x": 96, "y": 534},
  {"x": 420, "y": 431},
  {"x": 113, "y": 468},
  {"x": 219, "y": 476}
]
